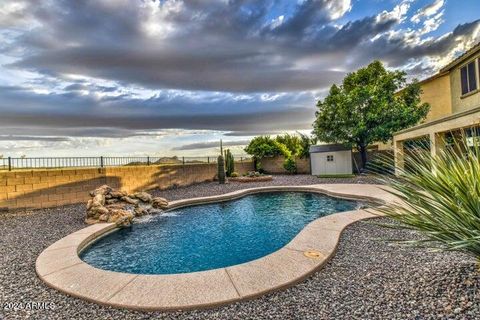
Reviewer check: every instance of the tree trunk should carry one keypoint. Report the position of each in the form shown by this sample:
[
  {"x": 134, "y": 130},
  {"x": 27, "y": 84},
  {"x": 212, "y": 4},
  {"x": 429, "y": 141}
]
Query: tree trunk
[{"x": 363, "y": 154}]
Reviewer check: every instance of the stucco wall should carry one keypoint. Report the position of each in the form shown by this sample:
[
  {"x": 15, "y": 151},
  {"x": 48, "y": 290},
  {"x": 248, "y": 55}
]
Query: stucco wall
[
  {"x": 275, "y": 165},
  {"x": 55, "y": 187},
  {"x": 470, "y": 100},
  {"x": 438, "y": 94}
]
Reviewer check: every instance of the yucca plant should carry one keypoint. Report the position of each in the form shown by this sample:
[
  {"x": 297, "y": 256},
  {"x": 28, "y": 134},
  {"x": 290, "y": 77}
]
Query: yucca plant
[{"x": 441, "y": 198}]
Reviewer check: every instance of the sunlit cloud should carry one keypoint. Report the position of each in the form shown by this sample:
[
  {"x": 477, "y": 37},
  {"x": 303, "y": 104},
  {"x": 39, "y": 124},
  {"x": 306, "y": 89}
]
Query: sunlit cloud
[{"x": 175, "y": 76}]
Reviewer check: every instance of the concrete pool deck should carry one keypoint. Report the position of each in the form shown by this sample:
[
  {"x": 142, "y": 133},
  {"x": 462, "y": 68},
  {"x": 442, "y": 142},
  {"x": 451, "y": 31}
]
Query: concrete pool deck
[{"x": 60, "y": 267}]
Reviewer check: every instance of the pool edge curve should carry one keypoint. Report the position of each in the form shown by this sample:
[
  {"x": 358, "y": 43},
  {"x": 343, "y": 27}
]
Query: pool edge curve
[{"x": 60, "y": 267}]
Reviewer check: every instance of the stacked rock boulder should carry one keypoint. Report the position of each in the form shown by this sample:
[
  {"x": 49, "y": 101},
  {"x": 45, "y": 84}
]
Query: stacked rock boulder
[{"x": 111, "y": 205}]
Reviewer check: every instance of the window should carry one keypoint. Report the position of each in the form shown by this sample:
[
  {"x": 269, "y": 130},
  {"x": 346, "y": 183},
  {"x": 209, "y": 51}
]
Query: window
[
  {"x": 472, "y": 76},
  {"x": 468, "y": 76},
  {"x": 329, "y": 158}
]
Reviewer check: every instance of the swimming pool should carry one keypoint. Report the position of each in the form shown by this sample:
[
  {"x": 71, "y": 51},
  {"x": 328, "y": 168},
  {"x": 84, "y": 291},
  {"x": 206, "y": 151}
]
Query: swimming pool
[{"x": 211, "y": 236}]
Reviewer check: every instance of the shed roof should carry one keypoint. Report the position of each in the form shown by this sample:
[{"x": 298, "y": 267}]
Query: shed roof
[{"x": 328, "y": 148}]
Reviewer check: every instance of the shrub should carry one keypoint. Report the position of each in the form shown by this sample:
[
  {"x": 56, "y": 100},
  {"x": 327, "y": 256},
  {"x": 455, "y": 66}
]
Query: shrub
[
  {"x": 290, "y": 165},
  {"x": 258, "y": 167},
  {"x": 442, "y": 196},
  {"x": 252, "y": 174},
  {"x": 234, "y": 174}
]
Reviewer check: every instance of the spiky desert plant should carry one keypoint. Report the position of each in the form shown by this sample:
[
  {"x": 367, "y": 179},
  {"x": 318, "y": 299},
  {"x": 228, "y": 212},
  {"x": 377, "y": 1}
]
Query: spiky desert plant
[
  {"x": 440, "y": 198},
  {"x": 221, "y": 166},
  {"x": 229, "y": 163},
  {"x": 290, "y": 165}
]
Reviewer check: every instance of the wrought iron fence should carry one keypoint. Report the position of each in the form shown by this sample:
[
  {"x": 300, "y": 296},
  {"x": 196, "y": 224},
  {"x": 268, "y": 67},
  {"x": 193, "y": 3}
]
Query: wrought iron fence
[{"x": 11, "y": 163}]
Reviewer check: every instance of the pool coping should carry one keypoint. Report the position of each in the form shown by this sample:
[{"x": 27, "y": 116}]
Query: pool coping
[{"x": 60, "y": 267}]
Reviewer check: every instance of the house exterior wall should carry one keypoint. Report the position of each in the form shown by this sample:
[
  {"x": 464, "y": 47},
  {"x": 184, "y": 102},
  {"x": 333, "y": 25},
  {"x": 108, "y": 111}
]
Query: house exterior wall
[
  {"x": 470, "y": 100},
  {"x": 465, "y": 108},
  {"x": 456, "y": 121},
  {"x": 437, "y": 92},
  {"x": 380, "y": 146}
]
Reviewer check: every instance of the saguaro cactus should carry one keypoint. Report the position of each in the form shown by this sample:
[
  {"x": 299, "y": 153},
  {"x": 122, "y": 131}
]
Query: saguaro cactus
[
  {"x": 229, "y": 163},
  {"x": 221, "y": 166}
]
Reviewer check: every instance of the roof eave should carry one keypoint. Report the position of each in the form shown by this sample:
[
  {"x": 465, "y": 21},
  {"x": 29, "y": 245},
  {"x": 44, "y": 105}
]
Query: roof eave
[{"x": 462, "y": 58}]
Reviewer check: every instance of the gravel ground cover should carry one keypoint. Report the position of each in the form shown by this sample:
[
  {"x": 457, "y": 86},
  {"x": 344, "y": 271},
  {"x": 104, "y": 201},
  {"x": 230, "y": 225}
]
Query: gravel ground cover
[{"x": 367, "y": 278}]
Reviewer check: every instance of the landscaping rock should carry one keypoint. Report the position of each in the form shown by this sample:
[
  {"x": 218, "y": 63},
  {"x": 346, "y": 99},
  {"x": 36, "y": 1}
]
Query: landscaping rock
[
  {"x": 100, "y": 210},
  {"x": 99, "y": 199},
  {"x": 145, "y": 197},
  {"x": 159, "y": 203},
  {"x": 121, "y": 217},
  {"x": 127, "y": 199},
  {"x": 89, "y": 204},
  {"x": 111, "y": 201},
  {"x": 110, "y": 205},
  {"x": 141, "y": 211},
  {"x": 103, "y": 190},
  {"x": 117, "y": 194}
]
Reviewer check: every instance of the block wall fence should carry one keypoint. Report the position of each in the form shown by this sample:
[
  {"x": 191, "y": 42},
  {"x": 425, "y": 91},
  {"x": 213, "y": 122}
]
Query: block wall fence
[
  {"x": 25, "y": 189},
  {"x": 275, "y": 165}
]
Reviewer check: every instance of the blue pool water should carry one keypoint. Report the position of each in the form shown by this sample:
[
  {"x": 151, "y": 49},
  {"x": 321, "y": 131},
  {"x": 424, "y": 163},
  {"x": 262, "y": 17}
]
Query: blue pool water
[{"x": 211, "y": 236}]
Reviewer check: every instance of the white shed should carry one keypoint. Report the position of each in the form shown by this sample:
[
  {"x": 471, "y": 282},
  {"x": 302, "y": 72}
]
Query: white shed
[{"x": 331, "y": 159}]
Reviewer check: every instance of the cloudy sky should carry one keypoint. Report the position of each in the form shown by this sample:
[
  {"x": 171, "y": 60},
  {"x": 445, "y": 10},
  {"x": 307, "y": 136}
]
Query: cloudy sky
[{"x": 118, "y": 77}]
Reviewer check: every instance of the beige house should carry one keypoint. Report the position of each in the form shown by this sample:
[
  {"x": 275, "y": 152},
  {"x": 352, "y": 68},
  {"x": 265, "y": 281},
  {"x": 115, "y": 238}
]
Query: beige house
[{"x": 454, "y": 97}]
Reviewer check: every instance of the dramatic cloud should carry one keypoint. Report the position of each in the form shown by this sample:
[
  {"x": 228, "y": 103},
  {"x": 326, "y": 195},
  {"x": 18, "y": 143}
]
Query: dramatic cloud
[
  {"x": 119, "y": 69},
  {"x": 428, "y": 10},
  {"x": 211, "y": 45},
  {"x": 400, "y": 48},
  {"x": 88, "y": 115},
  {"x": 211, "y": 144},
  {"x": 31, "y": 138}
]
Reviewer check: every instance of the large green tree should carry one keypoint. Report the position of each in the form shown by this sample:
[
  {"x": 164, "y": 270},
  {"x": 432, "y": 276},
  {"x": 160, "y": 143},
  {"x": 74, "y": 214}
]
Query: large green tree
[
  {"x": 287, "y": 145},
  {"x": 264, "y": 146},
  {"x": 370, "y": 105}
]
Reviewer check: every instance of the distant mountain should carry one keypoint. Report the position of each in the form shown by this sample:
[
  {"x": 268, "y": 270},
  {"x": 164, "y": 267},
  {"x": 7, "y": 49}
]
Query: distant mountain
[{"x": 169, "y": 160}]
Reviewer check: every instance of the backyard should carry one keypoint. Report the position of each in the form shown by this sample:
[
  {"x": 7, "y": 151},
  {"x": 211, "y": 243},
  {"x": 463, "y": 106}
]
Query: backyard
[
  {"x": 366, "y": 278},
  {"x": 238, "y": 159}
]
